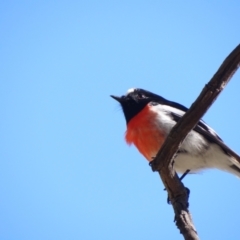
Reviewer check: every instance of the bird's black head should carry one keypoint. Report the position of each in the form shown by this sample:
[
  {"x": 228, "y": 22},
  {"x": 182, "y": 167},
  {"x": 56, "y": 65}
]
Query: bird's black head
[{"x": 134, "y": 101}]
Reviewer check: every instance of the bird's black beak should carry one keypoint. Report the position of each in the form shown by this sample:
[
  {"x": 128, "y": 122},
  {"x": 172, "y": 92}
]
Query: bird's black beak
[{"x": 119, "y": 99}]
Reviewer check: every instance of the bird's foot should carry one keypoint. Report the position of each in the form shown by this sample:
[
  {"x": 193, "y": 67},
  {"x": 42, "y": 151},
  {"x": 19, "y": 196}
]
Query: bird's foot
[{"x": 187, "y": 191}]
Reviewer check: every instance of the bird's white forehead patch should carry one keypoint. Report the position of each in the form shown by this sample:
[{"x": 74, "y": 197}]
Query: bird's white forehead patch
[{"x": 130, "y": 90}]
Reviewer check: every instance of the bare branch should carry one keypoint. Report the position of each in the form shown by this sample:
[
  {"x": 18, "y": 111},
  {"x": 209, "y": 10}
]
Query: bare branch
[{"x": 163, "y": 162}]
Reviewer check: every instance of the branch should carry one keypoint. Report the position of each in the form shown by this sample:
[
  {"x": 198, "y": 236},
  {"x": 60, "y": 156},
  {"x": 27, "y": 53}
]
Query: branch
[{"x": 163, "y": 163}]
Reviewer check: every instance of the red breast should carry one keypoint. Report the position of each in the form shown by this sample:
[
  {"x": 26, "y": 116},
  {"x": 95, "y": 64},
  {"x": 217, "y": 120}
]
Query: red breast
[{"x": 143, "y": 131}]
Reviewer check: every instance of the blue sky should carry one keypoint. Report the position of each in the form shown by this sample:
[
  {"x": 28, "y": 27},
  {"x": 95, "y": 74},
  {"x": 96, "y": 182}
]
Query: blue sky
[{"x": 65, "y": 170}]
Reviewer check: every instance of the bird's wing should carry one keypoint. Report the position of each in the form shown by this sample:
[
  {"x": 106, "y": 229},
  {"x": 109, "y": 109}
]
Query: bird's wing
[{"x": 203, "y": 129}]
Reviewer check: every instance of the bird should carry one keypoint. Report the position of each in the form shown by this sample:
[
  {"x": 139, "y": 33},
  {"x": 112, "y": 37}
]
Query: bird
[{"x": 150, "y": 118}]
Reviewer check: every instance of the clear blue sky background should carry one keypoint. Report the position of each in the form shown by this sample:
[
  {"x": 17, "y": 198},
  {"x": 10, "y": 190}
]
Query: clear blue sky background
[{"x": 65, "y": 170}]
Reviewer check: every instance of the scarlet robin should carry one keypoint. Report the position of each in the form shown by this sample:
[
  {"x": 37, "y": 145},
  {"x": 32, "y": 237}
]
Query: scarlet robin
[{"x": 150, "y": 118}]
